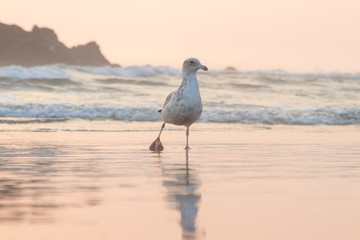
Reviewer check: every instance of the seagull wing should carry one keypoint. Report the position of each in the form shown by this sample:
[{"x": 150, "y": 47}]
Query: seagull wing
[{"x": 167, "y": 100}]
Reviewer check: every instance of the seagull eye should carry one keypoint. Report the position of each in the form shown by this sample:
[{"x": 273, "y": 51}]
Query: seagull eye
[{"x": 191, "y": 62}]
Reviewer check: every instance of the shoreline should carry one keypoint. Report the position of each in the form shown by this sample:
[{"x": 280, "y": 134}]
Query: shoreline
[{"x": 82, "y": 125}]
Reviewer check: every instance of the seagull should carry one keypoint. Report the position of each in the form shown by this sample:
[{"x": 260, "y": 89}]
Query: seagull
[{"x": 183, "y": 106}]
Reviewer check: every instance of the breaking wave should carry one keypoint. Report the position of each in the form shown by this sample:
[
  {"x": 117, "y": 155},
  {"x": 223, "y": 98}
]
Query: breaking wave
[
  {"x": 84, "y": 111},
  {"x": 38, "y": 72},
  {"x": 280, "y": 115},
  {"x": 132, "y": 71},
  {"x": 241, "y": 114},
  {"x": 62, "y": 71}
]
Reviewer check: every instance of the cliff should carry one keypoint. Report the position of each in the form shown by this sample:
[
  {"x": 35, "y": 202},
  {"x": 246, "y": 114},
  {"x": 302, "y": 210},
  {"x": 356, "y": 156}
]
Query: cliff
[{"x": 42, "y": 47}]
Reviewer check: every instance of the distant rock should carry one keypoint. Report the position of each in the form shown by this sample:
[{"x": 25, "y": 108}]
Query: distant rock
[
  {"x": 230, "y": 69},
  {"x": 42, "y": 47}
]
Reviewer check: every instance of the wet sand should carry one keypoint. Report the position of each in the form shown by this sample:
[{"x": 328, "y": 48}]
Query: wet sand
[{"x": 248, "y": 183}]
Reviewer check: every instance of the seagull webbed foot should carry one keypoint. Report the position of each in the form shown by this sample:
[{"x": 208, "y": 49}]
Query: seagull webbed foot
[{"x": 156, "y": 146}]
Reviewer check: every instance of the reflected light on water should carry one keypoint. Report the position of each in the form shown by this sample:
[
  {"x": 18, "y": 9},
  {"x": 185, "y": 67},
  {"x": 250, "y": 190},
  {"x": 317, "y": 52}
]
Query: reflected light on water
[{"x": 107, "y": 185}]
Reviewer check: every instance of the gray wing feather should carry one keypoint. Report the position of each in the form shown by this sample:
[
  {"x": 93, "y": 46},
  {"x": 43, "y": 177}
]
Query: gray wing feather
[{"x": 167, "y": 100}]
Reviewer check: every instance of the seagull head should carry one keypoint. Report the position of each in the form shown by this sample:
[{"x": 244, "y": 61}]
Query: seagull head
[{"x": 193, "y": 65}]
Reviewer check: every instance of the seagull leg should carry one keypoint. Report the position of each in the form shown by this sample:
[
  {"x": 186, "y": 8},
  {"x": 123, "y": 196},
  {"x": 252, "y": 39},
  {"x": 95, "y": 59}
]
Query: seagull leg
[
  {"x": 187, "y": 138},
  {"x": 162, "y": 127},
  {"x": 157, "y": 145}
]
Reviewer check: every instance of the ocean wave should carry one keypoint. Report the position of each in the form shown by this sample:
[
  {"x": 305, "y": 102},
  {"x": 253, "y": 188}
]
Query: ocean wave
[
  {"x": 281, "y": 73},
  {"x": 62, "y": 71},
  {"x": 38, "y": 72},
  {"x": 45, "y": 84},
  {"x": 246, "y": 114},
  {"x": 131, "y": 71},
  {"x": 132, "y": 82},
  {"x": 83, "y": 111}
]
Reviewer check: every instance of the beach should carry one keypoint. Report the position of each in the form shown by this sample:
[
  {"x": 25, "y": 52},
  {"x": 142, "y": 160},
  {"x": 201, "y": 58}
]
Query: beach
[
  {"x": 257, "y": 104},
  {"x": 236, "y": 182},
  {"x": 274, "y": 155}
]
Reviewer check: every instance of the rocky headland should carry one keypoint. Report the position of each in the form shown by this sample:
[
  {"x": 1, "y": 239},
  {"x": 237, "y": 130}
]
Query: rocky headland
[{"x": 41, "y": 46}]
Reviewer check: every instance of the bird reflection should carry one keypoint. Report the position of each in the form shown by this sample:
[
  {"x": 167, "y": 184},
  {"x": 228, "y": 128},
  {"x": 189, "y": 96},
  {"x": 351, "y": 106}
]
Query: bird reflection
[{"x": 182, "y": 184}]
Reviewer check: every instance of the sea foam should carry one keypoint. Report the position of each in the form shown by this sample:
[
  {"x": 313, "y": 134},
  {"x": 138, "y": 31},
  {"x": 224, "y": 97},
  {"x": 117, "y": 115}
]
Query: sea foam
[
  {"x": 39, "y": 72},
  {"x": 244, "y": 115},
  {"x": 282, "y": 115},
  {"x": 62, "y": 71},
  {"x": 131, "y": 71}
]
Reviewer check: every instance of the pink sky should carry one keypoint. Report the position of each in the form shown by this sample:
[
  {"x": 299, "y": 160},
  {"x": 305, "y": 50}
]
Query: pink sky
[{"x": 299, "y": 35}]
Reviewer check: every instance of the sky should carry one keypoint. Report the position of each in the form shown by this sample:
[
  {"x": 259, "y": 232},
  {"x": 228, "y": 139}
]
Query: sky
[{"x": 292, "y": 35}]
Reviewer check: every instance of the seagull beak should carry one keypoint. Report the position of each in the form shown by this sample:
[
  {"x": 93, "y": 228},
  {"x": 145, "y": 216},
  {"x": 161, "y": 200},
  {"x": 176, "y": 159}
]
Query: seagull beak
[{"x": 203, "y": 67}]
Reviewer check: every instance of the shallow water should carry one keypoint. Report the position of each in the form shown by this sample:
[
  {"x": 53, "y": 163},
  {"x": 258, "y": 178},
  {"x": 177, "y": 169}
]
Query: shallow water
[{"x": 247, "y": 183}]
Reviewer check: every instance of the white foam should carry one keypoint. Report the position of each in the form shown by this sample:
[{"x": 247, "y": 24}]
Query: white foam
[
  {"x": 278, "y": 72},
  {"x": 61, "y": 71},
  {"x": 245, "y": 114},
  {"x": 132, "y": 71},
  {"x": 83, "y": 111},
  {"x": 281, "y": 115},
  {"x": 47, "y": 72}
]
